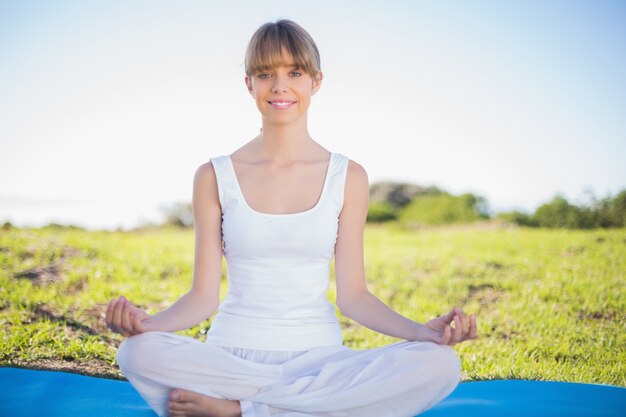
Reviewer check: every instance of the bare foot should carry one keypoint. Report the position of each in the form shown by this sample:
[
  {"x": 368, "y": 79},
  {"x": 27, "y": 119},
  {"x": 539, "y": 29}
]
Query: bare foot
[{"x": 188, "y": 403}]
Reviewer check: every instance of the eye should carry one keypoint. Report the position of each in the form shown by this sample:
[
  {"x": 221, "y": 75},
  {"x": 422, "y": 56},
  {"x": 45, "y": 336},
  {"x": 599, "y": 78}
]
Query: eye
[
  {"x": 296, "y": 72},
  {"x": 261, "y": 76}
]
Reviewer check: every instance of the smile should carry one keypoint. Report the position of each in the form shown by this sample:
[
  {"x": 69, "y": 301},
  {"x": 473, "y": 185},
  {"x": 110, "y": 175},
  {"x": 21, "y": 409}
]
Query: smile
[{"x": 281, "y": 104}]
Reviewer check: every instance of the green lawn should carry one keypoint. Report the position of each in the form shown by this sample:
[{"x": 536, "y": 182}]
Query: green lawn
[{"x": 550, "y": 304}]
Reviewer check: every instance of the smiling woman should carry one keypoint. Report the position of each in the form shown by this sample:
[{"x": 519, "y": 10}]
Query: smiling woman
[
  {"x": 282, "y": 58},
  {"x": 275, "y": 347}
]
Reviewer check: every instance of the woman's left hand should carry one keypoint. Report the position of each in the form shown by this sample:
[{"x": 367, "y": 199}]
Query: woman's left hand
[{"x": 438, "y": 330}]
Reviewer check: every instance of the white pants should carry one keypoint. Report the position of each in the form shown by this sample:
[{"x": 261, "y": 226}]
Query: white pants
[{"x": 398, "y": 380}]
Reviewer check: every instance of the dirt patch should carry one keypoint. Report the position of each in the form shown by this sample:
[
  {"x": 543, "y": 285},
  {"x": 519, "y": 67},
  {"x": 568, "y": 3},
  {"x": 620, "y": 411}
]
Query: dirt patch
[
  {"x": 93, "y": 316},
  {"x": 77, "y": 285},
  {"x": 505, "y": 334},
  {"x": 47, "y": 274},
  {"x": 93, "y": 367},
  {"x": 494, "y": 265},
  {"x": 42, "y": 275},
  {"x": 484, "y": 293},
  {"x": 609, "y": 314},
  {"x": 574, "y": 250}
]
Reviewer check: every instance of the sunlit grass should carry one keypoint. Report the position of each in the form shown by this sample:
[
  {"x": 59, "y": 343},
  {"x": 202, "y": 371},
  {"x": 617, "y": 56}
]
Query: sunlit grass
[{"x": 550, "y": 304}]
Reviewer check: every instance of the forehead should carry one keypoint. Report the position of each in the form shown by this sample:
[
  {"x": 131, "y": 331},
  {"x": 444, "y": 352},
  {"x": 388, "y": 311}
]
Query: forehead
[
  {"x": 286, "y": 65},
  {"x": 273, "y": 58}
]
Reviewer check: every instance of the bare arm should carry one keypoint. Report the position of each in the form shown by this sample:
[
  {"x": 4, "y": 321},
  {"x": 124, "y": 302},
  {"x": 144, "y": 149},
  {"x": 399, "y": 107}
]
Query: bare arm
[
  {"x": 201, "y": 301},
  {"x": 357, "y": 302},
  {"x": 353, "y": 298}
]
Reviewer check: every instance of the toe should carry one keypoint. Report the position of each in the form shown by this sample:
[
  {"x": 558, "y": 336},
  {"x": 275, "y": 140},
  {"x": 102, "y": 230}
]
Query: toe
[
  {"x": 175, "y": 408},
  {"x": 185, "y": 396},
  {"x": 174, "y": 395}
]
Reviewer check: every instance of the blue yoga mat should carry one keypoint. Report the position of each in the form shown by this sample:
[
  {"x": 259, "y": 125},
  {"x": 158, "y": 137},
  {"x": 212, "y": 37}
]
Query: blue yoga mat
[{"x": 25, "y": 392}]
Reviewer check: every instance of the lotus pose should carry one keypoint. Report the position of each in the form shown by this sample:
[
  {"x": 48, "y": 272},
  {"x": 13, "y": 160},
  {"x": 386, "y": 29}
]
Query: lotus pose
[{"x": 278, "y": 209}]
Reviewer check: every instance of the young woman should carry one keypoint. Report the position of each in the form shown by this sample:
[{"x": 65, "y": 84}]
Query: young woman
[{"x": 278, "y": 209}]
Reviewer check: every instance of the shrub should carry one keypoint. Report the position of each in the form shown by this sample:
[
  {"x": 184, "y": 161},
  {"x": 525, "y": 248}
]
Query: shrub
[
  {"x": 380, "y": 211},
  {"x": 443, "y": 208},
  {"x": 517, "y": 217},
  {"x": 559, "y": 213},
  {"x": 398, "y": 194},
  {"x": 611, "y": 212}
]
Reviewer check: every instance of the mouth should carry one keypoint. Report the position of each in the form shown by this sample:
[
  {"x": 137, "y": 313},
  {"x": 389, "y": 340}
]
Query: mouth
[{"x": 279, "y": 104}]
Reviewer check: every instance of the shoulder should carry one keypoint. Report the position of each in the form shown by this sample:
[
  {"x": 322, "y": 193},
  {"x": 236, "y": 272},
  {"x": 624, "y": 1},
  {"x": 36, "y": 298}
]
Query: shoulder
[
  {"x": 205, "y": 178},
  {"x": 356, "y": 192},
  {"x": 205, "y": 171},
  {"x": 356, "y": 176},
  {"x": 209, "y": 171}
]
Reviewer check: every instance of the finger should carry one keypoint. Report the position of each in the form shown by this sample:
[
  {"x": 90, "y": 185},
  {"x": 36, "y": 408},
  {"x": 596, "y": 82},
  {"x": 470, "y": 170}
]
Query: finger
[
  {"x": 458, "y": 329},
  {"x": 109, "y": 312},
  {"x": 451, "y": 341},
  {"x": 447, "y": 317},
  {"x": 132, "y": 321},
  {"x": 468, "y": 335},
  {"x": 450, "y": 316},
  {"x": 464, "y": 321},
  {"x": 445, "y": 337},
  {"x": 116, "y": 320},
  {"x": 136, "y": 319},
  {"x": 126, "y": 320},
  {"x": 464, "y": 326},
  {"x": 473, "y": 327}
]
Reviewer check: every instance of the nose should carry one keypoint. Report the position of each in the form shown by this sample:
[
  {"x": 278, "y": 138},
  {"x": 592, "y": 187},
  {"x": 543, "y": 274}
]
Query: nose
[
  {"x": 278, "y": 87},
  {"x": 279, "y": 84}
]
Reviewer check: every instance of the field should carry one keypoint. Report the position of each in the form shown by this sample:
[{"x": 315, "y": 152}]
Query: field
[{"x": 550, "y": 304}]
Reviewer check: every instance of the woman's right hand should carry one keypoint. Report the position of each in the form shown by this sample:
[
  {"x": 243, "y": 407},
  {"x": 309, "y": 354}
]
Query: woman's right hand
[{"x": 124, "y": 318}]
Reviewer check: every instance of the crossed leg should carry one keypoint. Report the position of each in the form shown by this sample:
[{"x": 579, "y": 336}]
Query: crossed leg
[{"x": 183, "y": 376}]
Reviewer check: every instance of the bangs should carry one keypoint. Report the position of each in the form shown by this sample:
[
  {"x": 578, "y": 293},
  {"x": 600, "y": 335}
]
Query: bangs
[{"x": 274, "y": 45}]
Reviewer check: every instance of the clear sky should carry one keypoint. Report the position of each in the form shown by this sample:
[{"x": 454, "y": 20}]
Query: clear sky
[{"x": 108, "y": 107}]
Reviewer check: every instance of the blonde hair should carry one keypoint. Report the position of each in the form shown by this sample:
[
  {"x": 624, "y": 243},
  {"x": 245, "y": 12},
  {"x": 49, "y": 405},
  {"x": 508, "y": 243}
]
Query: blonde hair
[{"x": 265, "y": 49}]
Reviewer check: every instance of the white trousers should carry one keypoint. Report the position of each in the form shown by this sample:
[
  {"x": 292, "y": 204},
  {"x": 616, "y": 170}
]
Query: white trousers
[{"x": 398, "y": 380}]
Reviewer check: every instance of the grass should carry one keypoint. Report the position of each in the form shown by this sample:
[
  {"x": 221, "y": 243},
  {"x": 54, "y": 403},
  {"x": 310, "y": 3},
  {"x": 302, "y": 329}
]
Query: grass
[{"x": 550, "y": 304}]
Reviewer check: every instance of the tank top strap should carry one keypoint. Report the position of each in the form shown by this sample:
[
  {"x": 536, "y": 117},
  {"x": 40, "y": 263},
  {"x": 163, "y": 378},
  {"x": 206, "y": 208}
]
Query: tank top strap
[
  {"x": 336, "y": 183},
  {"x": 226, "y": 182},
  {"x": 228, "y": 188}
]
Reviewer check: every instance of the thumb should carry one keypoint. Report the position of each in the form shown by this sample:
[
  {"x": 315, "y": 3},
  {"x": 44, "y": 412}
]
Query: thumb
[
  {"x": 448, "y": 317},
  {"x": 138, "y": 326},
  {"x": 445, "y": 336}
]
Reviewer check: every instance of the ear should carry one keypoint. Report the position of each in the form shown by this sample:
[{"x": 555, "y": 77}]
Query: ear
[
  {"x": 248, "y": 82},
  {"x": 317, "y": 82}
]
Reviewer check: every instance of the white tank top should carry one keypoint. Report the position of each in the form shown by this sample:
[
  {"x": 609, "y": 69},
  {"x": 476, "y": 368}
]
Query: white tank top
[{"x": 278, "y": 268}]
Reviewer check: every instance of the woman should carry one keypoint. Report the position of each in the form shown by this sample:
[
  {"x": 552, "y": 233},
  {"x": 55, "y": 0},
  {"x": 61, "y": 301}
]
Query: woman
[{"x": 275, "y": 346}]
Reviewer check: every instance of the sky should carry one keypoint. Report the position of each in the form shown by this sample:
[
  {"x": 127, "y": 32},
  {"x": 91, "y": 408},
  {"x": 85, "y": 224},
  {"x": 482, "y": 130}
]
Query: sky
[{"x": 108, "y": 108}]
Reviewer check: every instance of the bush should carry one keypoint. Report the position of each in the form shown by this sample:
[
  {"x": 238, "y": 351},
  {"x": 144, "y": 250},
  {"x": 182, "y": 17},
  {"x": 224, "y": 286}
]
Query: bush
[
  {"x": 443, "y": 208},
  {"x": 559, "y": 213},
  {"x": 398, "y": 194},
  {"x": 380, "y": 212},
  {"x": 611, "y": 212},
  {"x": 517, "y": 217}
]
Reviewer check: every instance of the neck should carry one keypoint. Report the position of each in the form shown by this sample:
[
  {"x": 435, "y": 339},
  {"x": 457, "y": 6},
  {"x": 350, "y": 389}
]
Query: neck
[{"x": 284, "y": 143}]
